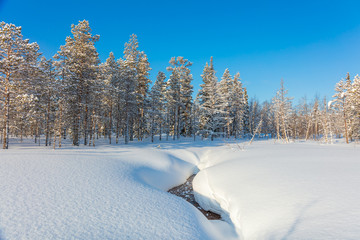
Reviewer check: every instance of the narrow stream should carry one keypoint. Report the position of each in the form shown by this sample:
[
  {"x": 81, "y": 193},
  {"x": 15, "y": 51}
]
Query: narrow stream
[{"x": 186, "y": 191}]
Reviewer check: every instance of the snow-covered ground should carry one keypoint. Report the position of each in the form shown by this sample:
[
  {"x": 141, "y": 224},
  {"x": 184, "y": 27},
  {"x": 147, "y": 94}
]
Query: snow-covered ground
[
  {"x": 284, "y": 191},
  {"x": 110, "y": 192},
  {"x": 267, "y": 190}
]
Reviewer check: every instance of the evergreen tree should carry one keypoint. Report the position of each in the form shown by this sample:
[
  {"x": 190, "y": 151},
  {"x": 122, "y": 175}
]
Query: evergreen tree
[
  {"x": 157, "y": 98},
  {"x": 186, "y": 90},
  {"x": 14, "y": 53},
  {"x": 129, "y": 102},
  {"x": 238, "y": 106},
  {"x": 180, "y": 88},
  {"x": 225, "y": 89},
  {"x": 210, "y": 119},
  {"x": 79, "y": 60},
  {"x": 138, "y": 61},
  {"x": 48, "y": 93},
  {"x": 246, "y": 115},
  {"x": 173, "y": 99},
  {"x": 110, "y": 71}
]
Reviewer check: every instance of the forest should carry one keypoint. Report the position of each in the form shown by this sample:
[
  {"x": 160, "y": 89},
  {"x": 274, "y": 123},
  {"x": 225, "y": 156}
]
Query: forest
[{"x": 75, "y": 96}]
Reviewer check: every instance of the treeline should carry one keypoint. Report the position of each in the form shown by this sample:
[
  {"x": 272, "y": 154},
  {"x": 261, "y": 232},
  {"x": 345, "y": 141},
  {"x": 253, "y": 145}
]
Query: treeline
[
  {"x": 75, "y": 96},
  {"x": 318, "y": 119}
]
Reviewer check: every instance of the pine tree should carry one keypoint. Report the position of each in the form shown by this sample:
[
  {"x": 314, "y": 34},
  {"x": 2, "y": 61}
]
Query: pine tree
[
  {"x": 173, "y": 99},
  {"x": 138, "y": 61},
  {"x": 180, "y": 88},
  {"x": 111, "y": 93},
  {"x": 48, "y": 93},
  {"x": 79, "y": 60},
  {"x": 14, "y": 51},
  {"x": 157, "y": 98},
  {"x": 129, "y": 102}
]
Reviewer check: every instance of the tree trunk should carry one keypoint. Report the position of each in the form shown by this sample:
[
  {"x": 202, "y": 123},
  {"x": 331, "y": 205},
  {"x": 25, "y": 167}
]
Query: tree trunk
[
  {"x": 174, "y": 124},
  {"x": 117, "y": 131},
  {"x": 345, "y": 128},
  {"x": 152, "y": 129},
  {"x": 60, "y": 125},
  {"x": 110, "y": 123},
  {"x": 160, "y": 130},
  {"x": 47, "y": 123},
  {"x": 86, "y": 124},
  {"x": 127, "y": 128},
  {"x": 178, "y": 124},
  {"x": 7, "y": 120}
]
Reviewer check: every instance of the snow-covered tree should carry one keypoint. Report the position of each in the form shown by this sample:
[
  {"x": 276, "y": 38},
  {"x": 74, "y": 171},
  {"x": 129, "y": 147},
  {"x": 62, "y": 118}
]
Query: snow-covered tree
[
  {"x": 48, "y": 93},
  {"x": 138, "y": 61},
  {"x": 282, "y": 112},
  {"x": 79, "y": 60},
  {"x": 225, "y": 88},
  {"x": 18, "y": 60},
  {"x": 179, "y": 96},
  {"x": 186, "y": 90},
  {"x": 238, "y": 106},
  {"x": 156, "y": 109},
  {"x": 246, "y": 114},
  {"x": 210, "y": 119},
  {"x": 355, "y": 105},
  {"x": 173, "y": 100},
  {"x": 112, "y": 94},
  {"x": 129, "y": 102},
  {"x": 342, "y": 103},
  {"x": 254, "y": 115}
]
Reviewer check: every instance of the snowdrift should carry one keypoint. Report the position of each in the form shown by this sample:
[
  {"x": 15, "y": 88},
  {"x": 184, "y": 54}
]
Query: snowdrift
[
  {"x": 284, "y": 191},
  {"x": 103, "y": 193}
]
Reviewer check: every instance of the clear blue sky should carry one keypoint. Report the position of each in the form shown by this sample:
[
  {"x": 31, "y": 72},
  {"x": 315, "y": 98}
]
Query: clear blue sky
[{"x": 310, "y": 44}]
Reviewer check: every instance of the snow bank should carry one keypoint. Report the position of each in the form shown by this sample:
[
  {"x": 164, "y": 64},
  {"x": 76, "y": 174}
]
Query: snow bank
[
  {"x": 103, "y": 193},
  {"x": 284, "y": 191}
]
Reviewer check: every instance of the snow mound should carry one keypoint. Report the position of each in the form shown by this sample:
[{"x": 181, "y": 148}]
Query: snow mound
[
  {"x": 103, "y": 193},
  {"x": 285, "y": 191}
]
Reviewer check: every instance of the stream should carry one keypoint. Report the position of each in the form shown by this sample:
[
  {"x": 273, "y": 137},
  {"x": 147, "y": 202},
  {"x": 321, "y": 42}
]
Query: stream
[{"x": 186, "y": 192}]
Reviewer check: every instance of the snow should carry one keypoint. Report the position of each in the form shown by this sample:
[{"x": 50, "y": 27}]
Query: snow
[
  {"x": 266, "y": 190},
  {"x": 284, "y": 191},
  {"x": 103, "y": 193}
]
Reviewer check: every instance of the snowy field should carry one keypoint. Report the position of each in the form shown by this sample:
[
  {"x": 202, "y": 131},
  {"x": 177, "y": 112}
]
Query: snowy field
[
  {"x": 284, "y": 191},
  {"x": 265, "y": 190}
]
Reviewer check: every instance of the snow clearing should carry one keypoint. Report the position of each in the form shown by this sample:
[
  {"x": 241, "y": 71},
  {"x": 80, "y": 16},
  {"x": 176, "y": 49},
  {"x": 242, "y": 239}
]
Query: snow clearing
[{"x": 266, "y": 190}]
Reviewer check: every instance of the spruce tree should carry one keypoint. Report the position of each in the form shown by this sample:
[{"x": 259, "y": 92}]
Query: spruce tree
[
  {"x": 210, "y": 119},
  {"x": 225, "y": 89},
  {"x": 237, "y": 107}
]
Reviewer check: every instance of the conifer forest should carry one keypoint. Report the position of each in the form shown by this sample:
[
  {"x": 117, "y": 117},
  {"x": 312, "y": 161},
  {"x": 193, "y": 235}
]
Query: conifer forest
[{"x": 76, "y": 96}]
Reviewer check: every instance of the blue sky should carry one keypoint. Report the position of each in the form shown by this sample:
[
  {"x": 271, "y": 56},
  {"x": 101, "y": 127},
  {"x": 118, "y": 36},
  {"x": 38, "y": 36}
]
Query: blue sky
[{"x": 310, "y": 44}]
